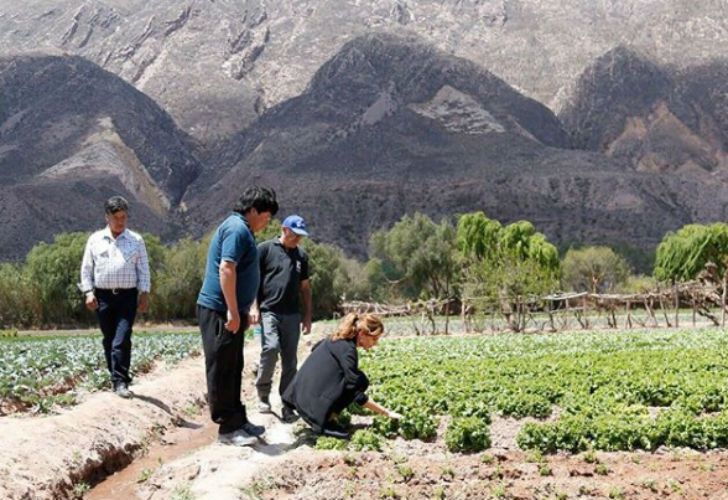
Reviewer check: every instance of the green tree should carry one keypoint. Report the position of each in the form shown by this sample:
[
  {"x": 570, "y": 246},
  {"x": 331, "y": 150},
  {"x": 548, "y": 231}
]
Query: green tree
[
  {"x": 595, "y": 269},
  {"x": 505, "y": 265},
  {"x": 328, "y": 277},
  {"x": 19, "y": 305},
  {"x": 683, "y": 254},
  {"x": 417, "y": 256},
  {"x": 178, "y": 280},
  {"x": 53, "y": 269}
]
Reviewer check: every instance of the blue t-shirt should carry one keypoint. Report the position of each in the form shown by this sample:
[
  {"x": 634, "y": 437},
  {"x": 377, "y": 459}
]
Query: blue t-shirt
[{"x": 233, "y": 242}]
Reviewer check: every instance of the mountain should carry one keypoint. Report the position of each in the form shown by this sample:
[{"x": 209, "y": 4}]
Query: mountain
[
  {"x": 215, "y": 65},
  {"x": 390, "y": 125},
  {"x": 656, "y": 118},
  {"x": 71, "y": 135}
]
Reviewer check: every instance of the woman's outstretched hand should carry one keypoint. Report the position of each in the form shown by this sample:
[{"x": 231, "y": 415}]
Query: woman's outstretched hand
[{"x": 394, "y": 415}]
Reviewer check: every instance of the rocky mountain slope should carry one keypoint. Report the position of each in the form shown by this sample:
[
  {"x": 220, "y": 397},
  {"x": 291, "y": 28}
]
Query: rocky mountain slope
[
  {"x": 390, "y": 125},
  {"x": 71, "y": 135},
  {"x": 216, "y": 65},
  {"x": 656, "y": 118}
]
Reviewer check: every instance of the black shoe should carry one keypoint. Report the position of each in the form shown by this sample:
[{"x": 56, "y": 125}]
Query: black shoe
[
  {"x": 122, "y": 390},
  {"x": 252, "y": 429},
  {"x": 288, "y": 416},
  {"x": 334, "y": 430}
]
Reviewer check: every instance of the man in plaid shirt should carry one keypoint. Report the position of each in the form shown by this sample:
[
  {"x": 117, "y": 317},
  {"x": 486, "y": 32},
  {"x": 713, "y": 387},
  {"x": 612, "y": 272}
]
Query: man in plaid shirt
[{"x": 115, "y": 279}]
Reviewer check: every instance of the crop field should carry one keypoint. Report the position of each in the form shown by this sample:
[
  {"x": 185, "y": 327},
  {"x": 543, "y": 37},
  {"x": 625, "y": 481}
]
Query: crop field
[
  {"x": 38, "y": 373},
  {"x": 605, "y": 391}
]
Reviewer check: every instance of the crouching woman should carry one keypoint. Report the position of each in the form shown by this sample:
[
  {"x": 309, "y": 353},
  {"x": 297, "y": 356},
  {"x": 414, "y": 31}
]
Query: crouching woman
[{"x": 330, "y": 380}]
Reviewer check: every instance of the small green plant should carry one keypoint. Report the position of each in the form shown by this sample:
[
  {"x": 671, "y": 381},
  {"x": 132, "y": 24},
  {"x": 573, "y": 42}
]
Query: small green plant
[
  {"x": 649, "y": 484},
  {"x": 405, "y": 471},
  {"x": 590, "y": 457},
  {"x": 707, "y": 467},
  {"x": 447, "y": 473},
  {"x": 344, "y": 418},
  {"x": 256, "y": 488},
  {"x": 387, "y": 427},
  {"x": 487, "y": 458},
  {"x": 616, "y": 493},
  {"x": 544, "y": 469},
  {"x": 417, "y": 425},
  {"x": 80, "y": 489},
  {"x": 467, "y": 434},
  {"x": 388, "y": 492},
  {"x": 498, "y": 472},
  {"x": 350, "y": 490},
  {"x": 182, "y": 492},
  {"x": 191, "y": 410},
  {"x": 499, "y": 491},
  {"x": 350, "y": 459},
  {"x": 438, "y": 493},
  {"x": 145, "y": 474},
  {"x": 675, "y": 487},
  {"x": 534, "y": 457},
  {"x": 601, "y": 469},
  {"x": 366, "y": 440},
  {"x": 329, "y": 443}
]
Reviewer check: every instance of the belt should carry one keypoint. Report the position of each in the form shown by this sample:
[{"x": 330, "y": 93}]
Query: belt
[{"x": 116, "y": 291}]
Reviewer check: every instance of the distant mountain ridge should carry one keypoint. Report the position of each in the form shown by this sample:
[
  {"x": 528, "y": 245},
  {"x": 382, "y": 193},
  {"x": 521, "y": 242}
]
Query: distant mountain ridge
[
  {"x": 388, "y": 126},
  {"x": 71, "y": 135},
  {"x": 655, "y": 118},
  {"x": 217, "y": 65}
]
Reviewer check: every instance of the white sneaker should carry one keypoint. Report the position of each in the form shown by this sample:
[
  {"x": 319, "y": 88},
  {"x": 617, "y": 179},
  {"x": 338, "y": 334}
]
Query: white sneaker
[
  {"x": 264, "y": 406},
  {"x": 237, "y": 438}
]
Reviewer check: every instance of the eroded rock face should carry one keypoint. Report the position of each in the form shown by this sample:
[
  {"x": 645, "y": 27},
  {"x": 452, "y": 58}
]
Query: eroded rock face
[
  {"x": 71, "y": 135},
  {"x": 216, "y": 65},
  {"x": 655, "y": 118},
  {"x": 390, "y": 126}
]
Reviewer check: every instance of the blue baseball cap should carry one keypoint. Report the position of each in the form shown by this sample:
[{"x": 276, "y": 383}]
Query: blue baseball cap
[{"x": 296, "y": 224}]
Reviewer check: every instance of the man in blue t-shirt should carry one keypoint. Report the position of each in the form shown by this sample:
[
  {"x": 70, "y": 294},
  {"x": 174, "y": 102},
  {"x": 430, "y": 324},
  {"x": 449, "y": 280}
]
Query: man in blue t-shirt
[{"x": 228, "y": 290}]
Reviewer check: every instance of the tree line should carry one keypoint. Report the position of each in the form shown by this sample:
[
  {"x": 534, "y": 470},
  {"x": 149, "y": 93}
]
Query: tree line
[{"x": 418, "y": 258}]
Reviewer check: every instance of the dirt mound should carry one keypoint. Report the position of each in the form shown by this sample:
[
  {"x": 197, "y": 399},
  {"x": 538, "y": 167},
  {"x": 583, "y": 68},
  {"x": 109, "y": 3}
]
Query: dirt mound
[{"x": 45, "y": 457}]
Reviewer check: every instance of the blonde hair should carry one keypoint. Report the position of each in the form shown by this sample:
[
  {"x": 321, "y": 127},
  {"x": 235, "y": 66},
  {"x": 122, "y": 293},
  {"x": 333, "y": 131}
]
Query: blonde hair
[{"x": 353, "y": 323}]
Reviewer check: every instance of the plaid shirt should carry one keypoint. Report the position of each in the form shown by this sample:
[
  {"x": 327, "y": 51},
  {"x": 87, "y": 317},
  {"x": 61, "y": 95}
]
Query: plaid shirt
[{"x": 115, "y": 263}]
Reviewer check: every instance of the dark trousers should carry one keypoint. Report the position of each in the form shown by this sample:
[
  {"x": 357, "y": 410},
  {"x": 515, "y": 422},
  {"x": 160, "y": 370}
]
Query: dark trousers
[
  {"x": 224, "y": 368},
  {"x": 341, "y": 404},
  {"x": 116, "y": 315}
]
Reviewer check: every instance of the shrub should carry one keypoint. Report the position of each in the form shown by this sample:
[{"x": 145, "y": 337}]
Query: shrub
[
  {"x": 366, "y": 440},
  {"x": 467, "y": 434}
]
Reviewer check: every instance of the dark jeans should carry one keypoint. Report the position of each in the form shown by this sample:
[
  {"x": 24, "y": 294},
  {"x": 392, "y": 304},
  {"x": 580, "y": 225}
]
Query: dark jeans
[
  {"x": 224, "y": 368},
  {"x": 116, "y": 315}
]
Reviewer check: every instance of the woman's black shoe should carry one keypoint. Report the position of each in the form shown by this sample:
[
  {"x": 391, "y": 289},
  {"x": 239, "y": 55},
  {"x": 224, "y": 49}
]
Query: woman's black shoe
[{"x": 334, "y": 430}]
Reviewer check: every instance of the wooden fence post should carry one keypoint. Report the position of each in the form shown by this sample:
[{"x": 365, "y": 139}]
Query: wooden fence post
[
  {"x": 677, "y": 305},
  {"x": 723, "y": 297}
]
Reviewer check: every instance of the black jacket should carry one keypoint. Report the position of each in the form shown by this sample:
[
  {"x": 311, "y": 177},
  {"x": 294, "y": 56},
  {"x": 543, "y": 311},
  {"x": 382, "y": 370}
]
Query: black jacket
[{"x": 330, "y": 371}]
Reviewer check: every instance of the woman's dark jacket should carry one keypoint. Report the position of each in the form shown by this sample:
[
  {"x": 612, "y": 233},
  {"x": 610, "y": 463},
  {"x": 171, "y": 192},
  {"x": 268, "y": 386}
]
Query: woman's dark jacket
[{"x": 330, "y": 372}]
